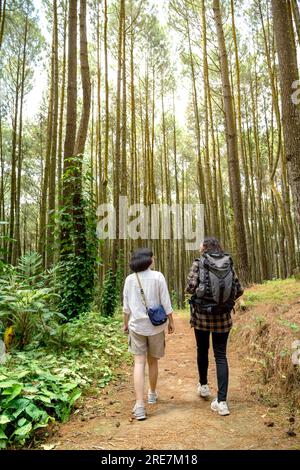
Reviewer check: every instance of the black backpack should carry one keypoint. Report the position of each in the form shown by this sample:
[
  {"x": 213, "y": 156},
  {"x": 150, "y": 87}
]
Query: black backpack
[{"x": 218, "y": 285}]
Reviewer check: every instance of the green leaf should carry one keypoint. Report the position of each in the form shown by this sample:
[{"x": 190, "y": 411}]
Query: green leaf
[
  {"x": 4, "y": 419},
  {"x": 69, "y": 386},
  {"x": 30, "y": 390},
  {"x": 22, "y": 422},
  {"x": 2, "y": 444},
  {"x": 3, "y": 435},
  {"x": 13, "y": 392},
  {"x": 23, "y": 431},
  {"x": 33, "y": 411},
  {"x": 40, "y": 425},
  {"x": 74, "y": 397},
  {"x": 7, "y": 383},
  {"x": 44, "y": 399},
  {"x": 22, "y": 374}
]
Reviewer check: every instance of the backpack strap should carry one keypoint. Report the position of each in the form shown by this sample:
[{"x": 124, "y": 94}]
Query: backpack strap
[
  {"x": 221, "y": 290},
  {"x": 204, "y": 275}
]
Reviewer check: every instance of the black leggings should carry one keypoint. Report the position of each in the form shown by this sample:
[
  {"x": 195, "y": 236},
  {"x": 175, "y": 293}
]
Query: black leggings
[{"x": 219, "y": 345}]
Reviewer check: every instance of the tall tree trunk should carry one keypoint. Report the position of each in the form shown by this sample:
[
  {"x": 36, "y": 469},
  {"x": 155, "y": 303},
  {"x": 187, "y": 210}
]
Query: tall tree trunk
[
  {"x": 52, "y": 169},
  {"x": 288, "y": 73},
  {"x": 2, "y": 19},
  {"x": 117, "y": 153},
  {"x": 70, "y": 136},
  {"x": 79, "y": 217},
  {"x": 13, "y": 188},
  {"x": 61, "y": 112},
  {"x": 17, "y": 245},
  {"x": 232, "y": 149},
  {"x": 106, "y": 138},
  {"x": 296, "y": 14}
]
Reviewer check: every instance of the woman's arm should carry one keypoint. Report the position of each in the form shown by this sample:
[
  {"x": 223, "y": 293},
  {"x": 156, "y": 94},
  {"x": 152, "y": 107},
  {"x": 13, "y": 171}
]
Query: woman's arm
[
  {"x": 193, "y": 278},
  {"x": 238, "y": 287},
  {"x": 126, "y": 309},
  {"x": 171, "y": 324}
]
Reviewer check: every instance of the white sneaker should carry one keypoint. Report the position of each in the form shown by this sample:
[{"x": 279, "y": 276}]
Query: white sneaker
[
  {"x": 221, "y": 407},
  {"x": 139, "y": 412},
  {"x": 152, "y": 398},
  {"x": 203, "y": 391}
]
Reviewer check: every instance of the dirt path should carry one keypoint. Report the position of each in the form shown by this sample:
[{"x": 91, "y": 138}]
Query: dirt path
[{"x": 180, "y": 420}]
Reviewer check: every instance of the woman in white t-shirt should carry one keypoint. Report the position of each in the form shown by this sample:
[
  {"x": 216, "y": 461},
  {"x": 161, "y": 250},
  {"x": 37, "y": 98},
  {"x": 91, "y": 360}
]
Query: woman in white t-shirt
[{"x": 145, "y": 339}]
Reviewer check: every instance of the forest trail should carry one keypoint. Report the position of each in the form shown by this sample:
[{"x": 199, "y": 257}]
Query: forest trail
[{"x": 181, "y": 420}]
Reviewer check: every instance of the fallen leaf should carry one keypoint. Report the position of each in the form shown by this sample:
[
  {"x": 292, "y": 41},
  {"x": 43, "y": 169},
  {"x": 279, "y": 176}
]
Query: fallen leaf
[{"x": 49, "y": 446}]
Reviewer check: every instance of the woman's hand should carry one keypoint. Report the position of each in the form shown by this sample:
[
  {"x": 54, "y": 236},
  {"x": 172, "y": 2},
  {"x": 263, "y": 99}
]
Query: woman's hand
[
  {"x": 125, "y": 324},
  {"x": 171, "y": 324}
]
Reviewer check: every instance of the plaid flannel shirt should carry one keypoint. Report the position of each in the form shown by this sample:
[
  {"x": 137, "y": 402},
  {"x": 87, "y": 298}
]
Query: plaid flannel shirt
[{"x": 217, "y": 323}]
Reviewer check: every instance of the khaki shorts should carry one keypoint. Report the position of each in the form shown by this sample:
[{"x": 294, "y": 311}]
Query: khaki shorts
[{"x": 141, "y": 345}]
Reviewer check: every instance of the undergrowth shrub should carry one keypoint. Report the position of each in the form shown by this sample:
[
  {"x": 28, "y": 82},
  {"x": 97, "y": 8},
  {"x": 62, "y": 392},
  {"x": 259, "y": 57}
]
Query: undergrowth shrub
[
  {"x": 40, "y": 386},
  {"x": 112, "y": 289},
  {"x": 28, "y": 301}
]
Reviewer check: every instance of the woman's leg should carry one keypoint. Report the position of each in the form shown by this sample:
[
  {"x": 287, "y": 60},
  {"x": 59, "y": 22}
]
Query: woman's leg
[
  {"x": 139, "y": 378},
  {"x": 219, "y": 345},
  {"x": 202, "y": 340},
  {"x": 153, "y": 372}
]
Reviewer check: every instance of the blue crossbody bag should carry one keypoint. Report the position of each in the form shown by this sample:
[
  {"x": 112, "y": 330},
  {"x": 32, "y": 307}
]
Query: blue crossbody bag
[{"x": 157, "y": 315}]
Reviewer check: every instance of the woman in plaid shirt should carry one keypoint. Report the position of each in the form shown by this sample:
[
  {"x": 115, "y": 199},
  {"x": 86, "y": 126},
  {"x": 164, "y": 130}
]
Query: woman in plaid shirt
[{"x": 219, "y": 324}]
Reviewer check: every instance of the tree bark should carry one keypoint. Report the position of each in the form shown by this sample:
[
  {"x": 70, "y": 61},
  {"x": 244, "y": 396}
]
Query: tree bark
[
  {"x": 69, "y": 145},
  {"x": 232, "y": 151},
  {"x": 289, "y": 75}
]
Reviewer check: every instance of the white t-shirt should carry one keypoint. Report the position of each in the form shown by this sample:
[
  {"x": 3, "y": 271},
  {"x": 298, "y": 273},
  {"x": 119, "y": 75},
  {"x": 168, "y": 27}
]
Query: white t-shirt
[{"x": 156, "y": 293}]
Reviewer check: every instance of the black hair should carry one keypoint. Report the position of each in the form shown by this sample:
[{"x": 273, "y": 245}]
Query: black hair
[
  {"x": 212, "y": 245},
  {"x": 141, "y": 259}
]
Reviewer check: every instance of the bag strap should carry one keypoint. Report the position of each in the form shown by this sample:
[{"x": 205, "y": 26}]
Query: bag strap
[
  {"x": 204, "y": 275},
  {"x": 142, "y": 291}
]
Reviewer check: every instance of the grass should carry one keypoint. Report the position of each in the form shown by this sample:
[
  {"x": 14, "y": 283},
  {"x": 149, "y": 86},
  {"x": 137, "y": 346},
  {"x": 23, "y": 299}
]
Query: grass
[{"x": 272, "y": 293}]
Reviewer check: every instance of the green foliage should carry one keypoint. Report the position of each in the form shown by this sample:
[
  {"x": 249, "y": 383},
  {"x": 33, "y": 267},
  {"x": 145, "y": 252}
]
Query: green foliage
[
  {"x": 97, "y": 341},
  {"x": 27, "y": 311},
  {"x": 111, "y": 290},
  {"x": 295, "y": 327},
  {"x": 175, "y": 299},
  {"x": 109, "y": 298},
  {"x": 25, "y": 303},
  {"x": 76, "y": 283},
  {"x": 40, "y": 386},
  {"x": 30, "y": 396},
  {"x": 30, "y": 268},
  {"x": 77, "y": 271},
  {"x": 272, "y": 292}
]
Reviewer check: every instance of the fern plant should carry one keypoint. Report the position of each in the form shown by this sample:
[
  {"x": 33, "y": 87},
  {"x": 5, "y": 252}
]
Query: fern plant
[
  {"x": 28, "y": 312},
  {"x": 28, "y": 301},
  {"x": 30, "y": 268}
]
